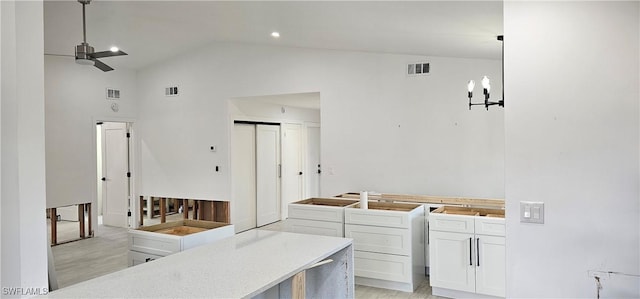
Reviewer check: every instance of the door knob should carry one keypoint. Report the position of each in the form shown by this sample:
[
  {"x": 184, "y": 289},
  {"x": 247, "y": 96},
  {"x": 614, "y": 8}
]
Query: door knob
[
  {"x": 300, "y": 173},
  {"x": 103, "y": 179}
]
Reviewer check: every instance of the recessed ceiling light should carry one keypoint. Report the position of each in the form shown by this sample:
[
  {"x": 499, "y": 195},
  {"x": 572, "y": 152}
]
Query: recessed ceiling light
[
  {"x": 114, "y": 49},
  {"x": 275, "y": 34}
]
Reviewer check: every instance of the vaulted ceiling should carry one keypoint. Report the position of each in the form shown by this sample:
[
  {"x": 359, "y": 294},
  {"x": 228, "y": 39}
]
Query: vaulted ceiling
[{"x": 150, "y": 31}]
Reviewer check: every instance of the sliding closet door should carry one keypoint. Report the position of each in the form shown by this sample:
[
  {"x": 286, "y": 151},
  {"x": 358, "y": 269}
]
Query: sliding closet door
[
  {"x": 268, "y": 176},
  {"x": 243, "y": 206}
]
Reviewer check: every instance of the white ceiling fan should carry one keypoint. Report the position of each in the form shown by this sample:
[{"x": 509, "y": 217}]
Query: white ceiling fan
[{"x": 85, "y": 54}]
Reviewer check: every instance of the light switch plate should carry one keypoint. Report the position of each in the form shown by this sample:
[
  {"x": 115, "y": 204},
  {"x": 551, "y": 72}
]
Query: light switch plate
[{"x": 532, "y": 212}]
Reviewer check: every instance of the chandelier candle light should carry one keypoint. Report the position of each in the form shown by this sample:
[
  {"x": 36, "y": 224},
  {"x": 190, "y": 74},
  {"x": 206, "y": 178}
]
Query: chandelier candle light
[{"x": 486, "y": 86}]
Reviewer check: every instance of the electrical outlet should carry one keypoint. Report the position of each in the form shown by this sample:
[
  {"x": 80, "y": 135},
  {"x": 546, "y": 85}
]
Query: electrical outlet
[{"x": 532, "y": 212}]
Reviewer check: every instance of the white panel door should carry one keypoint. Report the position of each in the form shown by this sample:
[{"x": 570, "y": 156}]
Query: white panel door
[
  {"x": 451, "y": 259},
  {"x": 292, "y": 174},
  {"x": 490, "y": 265},
  {"x": 267, "y": 174},
  {"x": 243, "y": 161},
  {"x": 115, "y": 165},
  {"x": 313, "y": 161}
]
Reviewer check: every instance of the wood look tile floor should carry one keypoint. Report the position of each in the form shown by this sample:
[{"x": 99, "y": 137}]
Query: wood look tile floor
[{"x": 107, "y": 252}]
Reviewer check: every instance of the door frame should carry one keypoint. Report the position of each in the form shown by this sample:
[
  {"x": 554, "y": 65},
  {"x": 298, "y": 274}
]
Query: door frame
[{"x": 134, "y": 154}]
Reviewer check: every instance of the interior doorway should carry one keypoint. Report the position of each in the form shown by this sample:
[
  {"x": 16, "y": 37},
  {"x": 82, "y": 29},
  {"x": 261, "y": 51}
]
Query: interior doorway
[
  {"x": 297, "y": 117},
  {"x": 113, "y": 156}
]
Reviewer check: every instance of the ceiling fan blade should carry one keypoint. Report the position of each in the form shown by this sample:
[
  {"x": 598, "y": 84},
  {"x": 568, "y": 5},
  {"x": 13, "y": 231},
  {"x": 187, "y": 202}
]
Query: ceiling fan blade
[
  {"x": 61, "y": 55},
  {"x": 102, "y": 66},
  {"x": 107, "y": 54}
]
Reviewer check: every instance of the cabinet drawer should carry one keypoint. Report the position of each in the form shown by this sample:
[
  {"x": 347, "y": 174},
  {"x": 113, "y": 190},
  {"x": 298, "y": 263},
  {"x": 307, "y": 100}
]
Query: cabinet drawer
[
  {"x": 382, "y": 266},
  {"x": 137, "y": 258},
  {"x": 377, "y": 217},
  {"x": 379, "y": 239},
  {"x": 316, "y": 212},
  {"x": 157, "y": 244},
  {"x": 451, "y": 223},
  {"x": 490, "y": 226},
  {"x": 314, "y": 227}
]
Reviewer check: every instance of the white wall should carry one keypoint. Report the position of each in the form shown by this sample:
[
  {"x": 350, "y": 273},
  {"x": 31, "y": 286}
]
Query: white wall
[
  {"x": 572, "y": 126},
  {"x": 23, "y": 227},
  {"x": 381, "y": 130},
  {"x": 75, "y": 100}
]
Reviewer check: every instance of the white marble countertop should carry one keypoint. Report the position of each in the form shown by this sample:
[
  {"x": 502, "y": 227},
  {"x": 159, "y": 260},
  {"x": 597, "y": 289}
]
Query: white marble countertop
[{"x": 241, "y": 266}]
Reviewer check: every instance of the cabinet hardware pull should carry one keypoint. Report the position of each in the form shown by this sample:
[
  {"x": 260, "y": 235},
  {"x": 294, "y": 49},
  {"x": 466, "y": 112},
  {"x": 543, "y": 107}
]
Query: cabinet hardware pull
[
  {"x": 478, "y": 252},
  {"x": 470, "y": 250}
]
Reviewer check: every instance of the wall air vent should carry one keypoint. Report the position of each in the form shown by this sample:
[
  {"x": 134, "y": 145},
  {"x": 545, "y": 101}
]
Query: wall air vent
[
  {"x": 171, "y": 91},
  {"x": 113, "y": 94},
  {"x": 418, "y": 69}
]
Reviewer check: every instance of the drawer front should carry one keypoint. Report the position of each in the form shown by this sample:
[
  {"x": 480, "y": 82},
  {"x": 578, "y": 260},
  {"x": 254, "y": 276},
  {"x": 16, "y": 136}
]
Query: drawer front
[
  {"x": 490, "y": 226},
  {"x": 379, "y": 239},
  {"x": 377, "y": 217},
  {"x": 137, "y": 258},
  {"x": 321, "y": 213},
  {"x": 382, "y": 266},
  {"x": 158, "y": 244},
  {"x": 451, "y": 223},
  {"x": 313, "y": 227}
]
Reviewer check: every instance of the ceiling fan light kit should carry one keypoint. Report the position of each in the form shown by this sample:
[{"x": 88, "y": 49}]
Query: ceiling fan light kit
[
  {"x": 85, "y": 53},
  {"x": 82, "y": 56}
]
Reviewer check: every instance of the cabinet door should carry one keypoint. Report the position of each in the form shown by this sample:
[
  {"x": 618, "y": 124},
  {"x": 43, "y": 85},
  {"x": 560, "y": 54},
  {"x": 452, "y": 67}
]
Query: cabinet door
[
  {"x": 451, "y": 259},
  {"x": 490, "y": 267}
]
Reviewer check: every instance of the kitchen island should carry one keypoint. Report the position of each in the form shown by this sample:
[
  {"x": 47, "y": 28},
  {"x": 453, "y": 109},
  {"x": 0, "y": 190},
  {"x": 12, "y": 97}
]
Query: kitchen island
[{"x": 255, "y": 263}]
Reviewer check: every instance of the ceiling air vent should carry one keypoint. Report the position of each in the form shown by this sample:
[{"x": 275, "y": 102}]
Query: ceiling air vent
[
  {"x": 171, "y": 91},
  {"x": 113, "y": 94},
  {"x": 418, "y": 69}
]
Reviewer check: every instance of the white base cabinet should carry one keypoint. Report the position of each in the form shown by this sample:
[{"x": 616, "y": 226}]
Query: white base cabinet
[
  {"x": 467, "y": 253},
  {"x": 388, "y": 242},
  {"x": 152, "y": 242},
  {"x": 317, "y": 216}
]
